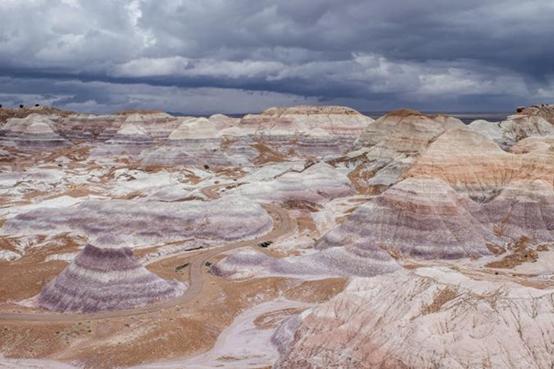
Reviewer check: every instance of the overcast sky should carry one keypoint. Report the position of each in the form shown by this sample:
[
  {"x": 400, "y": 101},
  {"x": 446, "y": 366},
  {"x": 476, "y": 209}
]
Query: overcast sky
[{"x": 234, "y": 56}]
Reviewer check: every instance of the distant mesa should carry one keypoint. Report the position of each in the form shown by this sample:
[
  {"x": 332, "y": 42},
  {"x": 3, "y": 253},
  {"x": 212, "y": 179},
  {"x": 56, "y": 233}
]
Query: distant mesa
[
  {"x": 7, "y": 113},
  {"x": 35, "y": 129},
  {"x": 310, "y": 110},
  {"x": 131, "y": 129},
  {"x": 144, "y": 115},
  {"x": 195, "y": 129},
  {"x": 132, "y": 134},
  {"x": 335, "y": 120},
  {"x": 104, "y": 279}
]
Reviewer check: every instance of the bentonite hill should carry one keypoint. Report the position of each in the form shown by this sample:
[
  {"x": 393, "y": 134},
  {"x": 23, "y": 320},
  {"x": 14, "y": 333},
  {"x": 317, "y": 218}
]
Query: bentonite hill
[{"x": 299, "y": 237}]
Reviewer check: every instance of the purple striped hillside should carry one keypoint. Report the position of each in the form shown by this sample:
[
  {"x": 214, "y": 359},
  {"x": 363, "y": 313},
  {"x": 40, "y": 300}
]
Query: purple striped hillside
[{"x": 102, "y": 279}]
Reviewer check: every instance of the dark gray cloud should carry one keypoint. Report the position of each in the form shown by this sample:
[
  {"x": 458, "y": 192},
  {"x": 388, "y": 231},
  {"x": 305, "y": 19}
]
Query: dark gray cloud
[{"x": 234, "y": 56}]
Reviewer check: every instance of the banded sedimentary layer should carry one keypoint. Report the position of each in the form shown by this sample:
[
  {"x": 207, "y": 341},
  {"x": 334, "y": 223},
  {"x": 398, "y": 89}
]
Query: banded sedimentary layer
[
  {"x": 33, "y": 130},
  {"x": 522, "y": 210},
  {"x": 130, "y": 139},
  {"x": 406, "y": 130},
  {"x": 392, "y": 199},
  {"x": 89, "y": 128},
  {"x": 140, "y": 223},
  {"x": 131, "y": 134},
  {"x": 474, "y": 164},
  {"x": 157, "y": 125},
  {"x": 334, "y": 261},
  {"x": 335, "y": 120},
  {"x": 272, "y": 136},
  {"x": 101, "y": 279},
  {"x": 420, "y": 217},
  {"x": 307, "y": 130},
  {"x": 316, "y": 183},
  {"x": 389, "y": 146},
  {"x": 428, "y": 318}
]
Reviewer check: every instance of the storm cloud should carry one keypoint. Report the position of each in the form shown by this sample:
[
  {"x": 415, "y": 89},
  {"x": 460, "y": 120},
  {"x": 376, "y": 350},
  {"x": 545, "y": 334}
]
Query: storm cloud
[{"x": 244, "y": 55}]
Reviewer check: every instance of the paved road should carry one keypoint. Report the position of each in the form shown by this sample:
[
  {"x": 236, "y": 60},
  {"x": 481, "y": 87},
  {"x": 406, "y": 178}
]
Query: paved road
[{"x": 282, "y": 224}]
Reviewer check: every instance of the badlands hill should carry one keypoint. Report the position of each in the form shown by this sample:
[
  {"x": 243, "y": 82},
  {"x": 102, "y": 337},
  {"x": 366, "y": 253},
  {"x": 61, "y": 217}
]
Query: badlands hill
[
  {"x": 33, "y": 130},
  {"x": 421, "y": 217},
  {"x": 298, "y": 237},
  {"x": 389, "y": 146},
  {"x": 105, "y": 279},
  {"x": 429, "y": 318}
]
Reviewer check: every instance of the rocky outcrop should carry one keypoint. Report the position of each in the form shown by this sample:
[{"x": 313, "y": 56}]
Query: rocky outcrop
[
  {"x": 101, "y": 279},
  {"x": 428, "y": 318},
  {"x": 545, "y": 111},
  {"x": 129, "y": 140},
  {"x": 520, "y": 126},
  {"x": 533, "y": 121},
  {"x": 274, "y": 135}
]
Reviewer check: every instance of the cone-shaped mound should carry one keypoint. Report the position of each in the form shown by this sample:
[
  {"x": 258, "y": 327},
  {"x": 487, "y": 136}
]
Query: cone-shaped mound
[
  {"x": 34, "y": 129},
  {"x": 195, "y": 129},
  {"x": 418, "y": 217},
  {"x": 101, "y": 279},
  {"x": 130, "y": 133}
]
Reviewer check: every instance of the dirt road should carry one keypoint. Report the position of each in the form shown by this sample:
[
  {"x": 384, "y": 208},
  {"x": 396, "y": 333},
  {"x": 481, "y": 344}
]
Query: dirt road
[{"x": 282, "y": 224}]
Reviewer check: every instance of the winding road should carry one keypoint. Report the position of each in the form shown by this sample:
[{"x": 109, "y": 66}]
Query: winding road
[{"x": 282, "y": 224}]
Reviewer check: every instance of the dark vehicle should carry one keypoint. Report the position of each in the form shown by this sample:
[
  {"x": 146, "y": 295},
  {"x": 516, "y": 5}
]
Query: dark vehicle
[
  {"x": 178, "y": 268},
  {"x": 265, "y": 244},
  {"x": 208, "y": 264}
]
